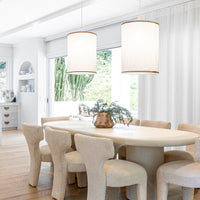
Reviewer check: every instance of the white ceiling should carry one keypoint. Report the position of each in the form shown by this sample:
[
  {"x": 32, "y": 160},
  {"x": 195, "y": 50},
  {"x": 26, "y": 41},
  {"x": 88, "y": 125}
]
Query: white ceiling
[{"x": 25, "y": 19}]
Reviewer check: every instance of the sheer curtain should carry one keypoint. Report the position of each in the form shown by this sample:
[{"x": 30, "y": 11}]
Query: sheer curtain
[{"x": 174, "y": 94}]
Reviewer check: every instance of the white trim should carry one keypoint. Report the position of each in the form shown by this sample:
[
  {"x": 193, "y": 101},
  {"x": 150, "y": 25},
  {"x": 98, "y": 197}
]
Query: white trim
[
  {"x": 120, "y": 19},
  {"x": 58, "y": 13}
]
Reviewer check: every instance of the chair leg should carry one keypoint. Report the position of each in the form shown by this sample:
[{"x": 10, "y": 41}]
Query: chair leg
[
  {"x": 71, "y": 178},
  {"x": 34, "y": 171},
  {"x": 162, "y": 189},
  {"x": 188, "y": 193},
  {"x": 59, "y": 181},
  {"x": 81, "y": 179},
  {"x": 141, "y": 191}
]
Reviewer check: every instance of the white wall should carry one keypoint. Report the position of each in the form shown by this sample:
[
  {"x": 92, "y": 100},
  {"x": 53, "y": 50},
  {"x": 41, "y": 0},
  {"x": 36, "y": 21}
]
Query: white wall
[{"x": 33, "y": 105}]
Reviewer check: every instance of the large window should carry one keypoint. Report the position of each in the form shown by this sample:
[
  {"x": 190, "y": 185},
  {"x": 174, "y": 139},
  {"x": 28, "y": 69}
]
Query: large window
[
  {"x": 3, "y": 76},
  {"x": 108, "y": 84}
]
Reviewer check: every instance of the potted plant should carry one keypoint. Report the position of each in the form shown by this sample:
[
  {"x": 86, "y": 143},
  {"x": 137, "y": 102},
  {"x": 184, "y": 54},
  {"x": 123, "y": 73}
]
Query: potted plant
[{"x": 107, "y": 115}]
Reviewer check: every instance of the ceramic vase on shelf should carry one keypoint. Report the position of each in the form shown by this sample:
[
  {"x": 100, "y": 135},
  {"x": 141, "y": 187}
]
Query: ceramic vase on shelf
[{"x": 103, "y": 120}]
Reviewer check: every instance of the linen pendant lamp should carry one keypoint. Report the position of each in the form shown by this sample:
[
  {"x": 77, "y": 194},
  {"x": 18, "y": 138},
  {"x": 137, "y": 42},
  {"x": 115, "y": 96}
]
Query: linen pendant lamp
[
  {"x": 140, "y": 45},
  {"x": 81, "y": 48}
]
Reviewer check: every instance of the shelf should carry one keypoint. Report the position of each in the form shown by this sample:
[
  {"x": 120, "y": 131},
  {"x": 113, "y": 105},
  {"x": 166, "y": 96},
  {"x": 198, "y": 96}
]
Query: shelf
[
  {"x": 27, "y": 92},
  {"x": 26, "y": 77}
]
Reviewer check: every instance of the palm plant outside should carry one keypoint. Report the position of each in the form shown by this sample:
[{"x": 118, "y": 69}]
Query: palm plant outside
[{"x": 84, "y": 87}]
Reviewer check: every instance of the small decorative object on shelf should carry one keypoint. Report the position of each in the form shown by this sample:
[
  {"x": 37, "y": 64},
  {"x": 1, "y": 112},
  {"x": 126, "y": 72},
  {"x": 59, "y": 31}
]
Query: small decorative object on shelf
[
  {"x": 107, "y": 115},
  {"x": 8, "y": 95}
]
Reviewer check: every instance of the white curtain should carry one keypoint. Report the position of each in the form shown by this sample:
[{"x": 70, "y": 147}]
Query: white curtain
[{"x": 174, "y": 94}]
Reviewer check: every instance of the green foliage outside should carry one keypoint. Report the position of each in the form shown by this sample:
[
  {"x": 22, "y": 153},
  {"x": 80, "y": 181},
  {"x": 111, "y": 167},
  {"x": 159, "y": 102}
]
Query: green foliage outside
[
  {"x": 77, "y": 84},
  {"x": 70, "y": 87},
  {"x": 2, "y": 65},
  {"x": 101, "y": 85},
  {"x": 3, "y": 77},
  {"x": 60, "y": 79}
]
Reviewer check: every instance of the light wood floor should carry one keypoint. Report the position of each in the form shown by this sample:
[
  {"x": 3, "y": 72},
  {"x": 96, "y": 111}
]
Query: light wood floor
[{"x": 14, "y": 168}]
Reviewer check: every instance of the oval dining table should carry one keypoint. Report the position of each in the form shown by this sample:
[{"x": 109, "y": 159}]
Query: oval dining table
[{"x": 145, "y": 145}]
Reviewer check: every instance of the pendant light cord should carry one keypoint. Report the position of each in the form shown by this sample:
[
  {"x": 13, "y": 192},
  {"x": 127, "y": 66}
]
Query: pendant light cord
[{"x": 81, "y": 14}]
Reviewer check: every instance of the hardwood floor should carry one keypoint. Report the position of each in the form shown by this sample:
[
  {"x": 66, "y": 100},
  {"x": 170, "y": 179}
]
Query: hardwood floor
[{"x": 14, "y": 169}]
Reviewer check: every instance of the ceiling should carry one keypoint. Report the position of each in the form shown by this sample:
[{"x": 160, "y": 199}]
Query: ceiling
[{"x": 25, "y": 19}]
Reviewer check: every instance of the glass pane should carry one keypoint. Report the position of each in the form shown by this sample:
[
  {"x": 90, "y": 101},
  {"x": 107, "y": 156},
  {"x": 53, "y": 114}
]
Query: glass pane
[{"x": 3, "y": 78}]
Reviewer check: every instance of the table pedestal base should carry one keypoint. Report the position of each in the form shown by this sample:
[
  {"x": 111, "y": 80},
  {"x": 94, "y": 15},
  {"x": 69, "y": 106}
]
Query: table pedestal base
[{"x": 150, "y": 158}]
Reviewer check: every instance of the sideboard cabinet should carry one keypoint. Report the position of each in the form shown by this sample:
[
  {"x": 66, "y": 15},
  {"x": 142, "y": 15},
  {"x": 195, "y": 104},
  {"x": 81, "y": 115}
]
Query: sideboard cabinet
[{"x": 9, "y": 114}]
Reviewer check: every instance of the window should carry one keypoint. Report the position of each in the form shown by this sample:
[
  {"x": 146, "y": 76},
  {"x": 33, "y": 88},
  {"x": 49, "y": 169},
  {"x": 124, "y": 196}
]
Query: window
[
  {"x": 3, "y": 75},
  {"x": 108, "y": 84}
]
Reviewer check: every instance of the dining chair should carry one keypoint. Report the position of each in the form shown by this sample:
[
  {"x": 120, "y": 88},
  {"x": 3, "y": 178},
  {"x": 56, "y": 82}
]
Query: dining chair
[
  {"x": 183, "y": 155},
  {"x": 156, "y": 124},
  {"x": 184, "y": 173},
  {"x": 51, "y": 119},
  {"x": 33, "y": 135},
  {"x": 64, "y": 163},
  {"x": 102, "y": 172},
  {"x": 121, "y": 149}
]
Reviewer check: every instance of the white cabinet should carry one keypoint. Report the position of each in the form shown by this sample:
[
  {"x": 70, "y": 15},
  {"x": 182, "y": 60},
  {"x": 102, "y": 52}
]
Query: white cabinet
[{"x": 9, "y": 114}]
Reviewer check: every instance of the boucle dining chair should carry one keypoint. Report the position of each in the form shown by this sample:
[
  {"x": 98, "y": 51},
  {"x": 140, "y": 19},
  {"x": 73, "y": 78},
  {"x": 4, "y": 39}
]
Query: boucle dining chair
[
  {"x": 102, "y": 172},
  {"x": 156, "y": 124},
  {"x": 64, "y": 163},
  {"x": 51, "y": 119},
  {"x": 183, "y": 155},
  {"x": 185, "y": 173},
  {"x": 121, "y": 149},
  {"x": 33, "y": 135}
]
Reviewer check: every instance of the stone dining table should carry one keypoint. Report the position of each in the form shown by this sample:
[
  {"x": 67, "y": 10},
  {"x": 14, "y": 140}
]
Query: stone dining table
[{"x": 145, "y": 145}]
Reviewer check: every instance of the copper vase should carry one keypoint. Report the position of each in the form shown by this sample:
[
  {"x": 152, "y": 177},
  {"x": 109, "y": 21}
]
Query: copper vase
[{"x": 103, "y": 120}]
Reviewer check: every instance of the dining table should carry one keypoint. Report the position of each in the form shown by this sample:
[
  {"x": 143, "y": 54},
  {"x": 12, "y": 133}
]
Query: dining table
[{"x": 145, "y": 145}]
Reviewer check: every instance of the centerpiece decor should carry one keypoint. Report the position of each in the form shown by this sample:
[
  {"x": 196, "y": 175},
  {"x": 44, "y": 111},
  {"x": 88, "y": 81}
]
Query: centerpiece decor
[{"x": 105, "y": 116}]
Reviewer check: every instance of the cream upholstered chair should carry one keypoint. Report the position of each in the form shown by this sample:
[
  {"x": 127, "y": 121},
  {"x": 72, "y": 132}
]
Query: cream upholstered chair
[
  {"x": 102, "y": 172},
  {"x": 183, "y": 155},
  {"x": 156, "y": 124},
  {"x": 134, "y": 122},
  {"x": 51, "y": 119},
  {"x": 121, "y": 149},
  {"x": 185, "y": 173},
  {"x": 64, "y": 163},
  {"x": 33, "y": 135},
  {"x": 64, "y": 118}
]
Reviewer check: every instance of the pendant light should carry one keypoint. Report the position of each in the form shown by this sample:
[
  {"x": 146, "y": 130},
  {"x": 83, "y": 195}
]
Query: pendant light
[
  {"x": 140, "y": 43},
  {"x": 81, "y": 48}
]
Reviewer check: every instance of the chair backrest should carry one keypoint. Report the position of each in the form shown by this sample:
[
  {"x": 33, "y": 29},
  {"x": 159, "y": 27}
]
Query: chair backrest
[
  {"x": 33, "y": 135},
  {"x": 189, "y": 127},
  {"x": 134, "y": 122},
  {"x": 156, "y": 124},
  {"x": 51, "y": 119},
  {"x": 95, "y": 151},
  {"x": 197, "y": 150},
  {"x": 58, "y": 141}
]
